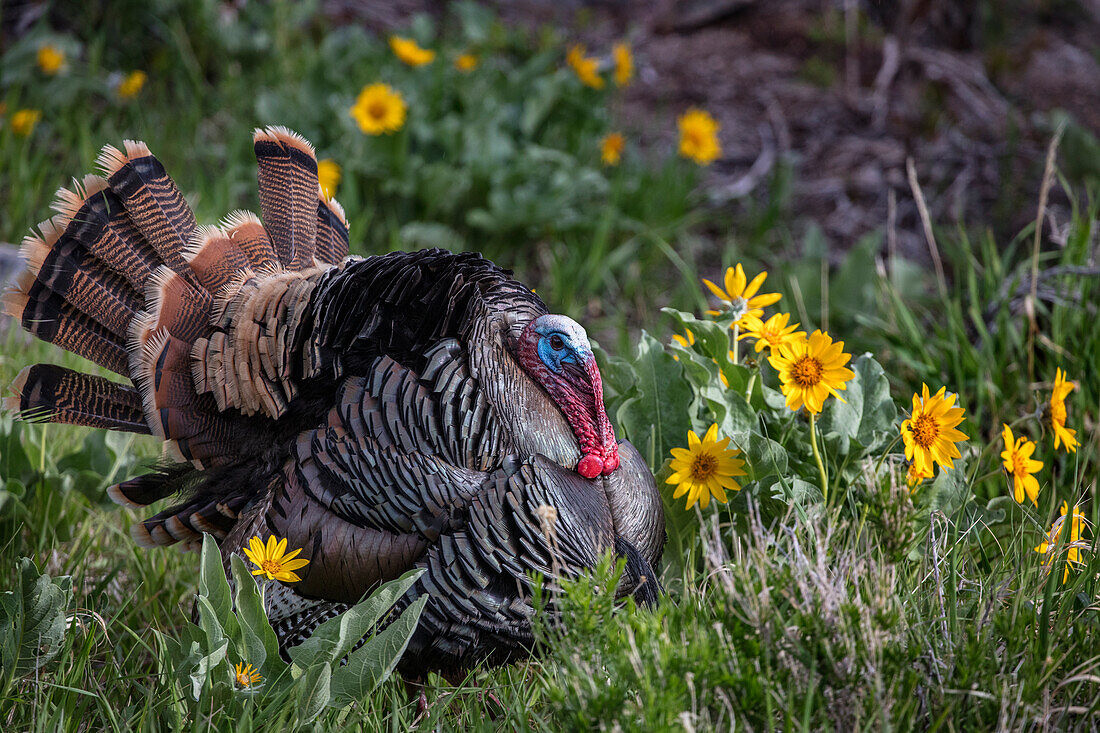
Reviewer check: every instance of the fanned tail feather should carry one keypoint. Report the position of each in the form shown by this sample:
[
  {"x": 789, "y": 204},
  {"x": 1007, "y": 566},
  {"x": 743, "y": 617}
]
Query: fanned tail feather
[
  {"x": 57, "y": 394},
  {"x": 289, "y": 193},
  {"x": 200, "y": 319}
]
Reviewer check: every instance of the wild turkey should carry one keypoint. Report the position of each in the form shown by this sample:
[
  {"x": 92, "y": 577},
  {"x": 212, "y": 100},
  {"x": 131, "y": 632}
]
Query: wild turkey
[{"x": 407, "y": 410}]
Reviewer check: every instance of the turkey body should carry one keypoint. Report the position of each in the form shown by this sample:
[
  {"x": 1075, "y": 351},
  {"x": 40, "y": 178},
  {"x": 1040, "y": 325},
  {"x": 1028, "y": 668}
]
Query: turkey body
[{"x": 409, "y": 410}]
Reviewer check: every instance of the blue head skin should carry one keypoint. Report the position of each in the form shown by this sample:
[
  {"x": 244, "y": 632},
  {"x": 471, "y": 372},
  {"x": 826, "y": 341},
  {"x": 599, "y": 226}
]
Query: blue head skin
[{"x": 554, "y": 349}]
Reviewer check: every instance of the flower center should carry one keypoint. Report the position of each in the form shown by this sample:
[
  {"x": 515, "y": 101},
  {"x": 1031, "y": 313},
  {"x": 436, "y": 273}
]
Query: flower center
[
  {"x": 271, "y": 567},
  {"x": 243, "y": 679},
  {"x": 377, "y": 109},
  {"x": 806, "y": 372},
  {"x": 1019, "y": 466},
  {"x": 703, "y": 467},
  {"x": 925, "y": 430}
]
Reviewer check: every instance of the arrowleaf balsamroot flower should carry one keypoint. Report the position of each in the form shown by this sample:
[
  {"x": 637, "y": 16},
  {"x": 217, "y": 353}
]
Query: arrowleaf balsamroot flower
[
  {"x": 929, "y": 434},
  {"x": 771, "y": 333},
  {"x": 273, "y": 560},
  {"x": 1074, "y": 543},
  {"x": 699, "y": 136},
  {"x": 328, "y": 175},
  {"x": 379, "y": 109},
  {"x": 131, "y": 85},
  {"x": 410, "y": 52},
  {"x": 624, "y": 63},
  {"x": 741, "y": 295},
  {"x": 24, "y": 120},
  {"x": 1062, "y": 434},
  {"x": 466, "y": 62},
  {"x": 611, "y": 148},
  {"x": 585, "y": 67},
  {"x": 705, "y": 468},
  {"x": 246, "y": 675},
  {"x": 1018, "y": 463},
  {"x": 915, "y": 475},
  {"x": 811, "y": 369},
  {"x": 50, "y": 58}
]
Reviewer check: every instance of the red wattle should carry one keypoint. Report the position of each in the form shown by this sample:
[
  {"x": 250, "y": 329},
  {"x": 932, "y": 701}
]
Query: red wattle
[
  {"x": 590, "y": 466},
  {"x": 610, "y": 463}
]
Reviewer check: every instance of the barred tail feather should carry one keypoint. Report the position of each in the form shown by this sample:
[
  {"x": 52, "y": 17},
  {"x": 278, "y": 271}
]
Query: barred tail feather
[
  {"x": 57, "y": 394},
  {"x": 332, "y": 232},
  {"x": 289, "y": 192}
]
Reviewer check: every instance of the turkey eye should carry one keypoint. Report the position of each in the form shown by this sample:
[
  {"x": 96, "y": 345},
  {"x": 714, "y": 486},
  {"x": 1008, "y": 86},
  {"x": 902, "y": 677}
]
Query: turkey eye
[{"x": 556, "y": 343}]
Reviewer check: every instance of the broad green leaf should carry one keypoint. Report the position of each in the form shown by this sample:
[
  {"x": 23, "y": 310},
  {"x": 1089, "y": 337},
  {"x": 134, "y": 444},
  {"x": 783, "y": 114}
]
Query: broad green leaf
[
  {"x": 214, "y": 587},
  {"x": 764, "y": 456},
  {"x": 371, "y": 664},
  {"x": 657, "y": 417},
  {"x": 210, "y": 622},
  {"x": 334, "y": 638},
  {"x": 948, "y": 492},
  {"x": 314, "y": 691},
  {"x": 32, "y": 622},
  {"x": 866, "y": 415},
  {"x": 200, "y": 666},
  {"x": 711, "y": 339},
  {"x": 260, "y": 647}
]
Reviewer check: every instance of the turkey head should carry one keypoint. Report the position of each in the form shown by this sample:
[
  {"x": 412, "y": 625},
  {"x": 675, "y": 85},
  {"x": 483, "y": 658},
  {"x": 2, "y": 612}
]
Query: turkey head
[{"x": 554, "y": 350}]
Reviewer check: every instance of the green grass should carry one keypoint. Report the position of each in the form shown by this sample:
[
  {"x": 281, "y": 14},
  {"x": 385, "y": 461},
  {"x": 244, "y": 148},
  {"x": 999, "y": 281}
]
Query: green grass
[{"x": 886, "y": 609}]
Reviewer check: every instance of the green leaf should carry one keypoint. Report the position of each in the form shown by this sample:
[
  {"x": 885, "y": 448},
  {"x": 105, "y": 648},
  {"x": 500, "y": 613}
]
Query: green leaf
[
  {"x": 32, "y": 624},
  {"x": 198, "y": 666},
  {"x": 866, "y": 416},
  {"x": 657, "y": 416},
  {"x": 314, "y": 691},
  {"x": 214, "y": 587},
  {"x": 765, "y": 457},
  {"x": 259, "y": 645},
  {"x": 948, "y": 492},
  {"x": 334, "y": 638},
  {"x": 370, "y": 665}
]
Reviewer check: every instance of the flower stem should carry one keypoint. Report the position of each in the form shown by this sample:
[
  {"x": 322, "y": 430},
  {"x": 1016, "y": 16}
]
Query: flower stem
[
  {"x": 817, "y": 457},
  {"x": 736, "y": 334}
]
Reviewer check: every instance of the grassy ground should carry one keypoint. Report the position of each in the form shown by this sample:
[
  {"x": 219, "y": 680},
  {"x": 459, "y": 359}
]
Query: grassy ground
[{"x": 881, "y": 608}]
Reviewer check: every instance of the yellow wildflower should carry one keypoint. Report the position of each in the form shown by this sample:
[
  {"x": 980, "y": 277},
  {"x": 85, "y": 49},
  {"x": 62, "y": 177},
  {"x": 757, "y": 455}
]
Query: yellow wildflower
[
  {"x": 811, "y": 369},
  {"x": 273, "y": 560},
  {"x": 247, "y": 676},
  {"x": 1074, "y": 544},
  {"x": 328, "y": 175},
  {"x": 408, "y": 51},
  {"x": 706, "y": 468},
  {"x": 771, "y": 333},
  {"x": 131, "y": 85},
  {"x": 611, "y": 148},
  {"x": 1062, "y": 434},
  {"x": 915, "y": 475},
  {"x": 51, "y": 59},
  {"x": 741, "y": 295},
  {"x": 1018, "y": 462},
  {"x": 929, "y": 434},
  {"x": 466, "y": 62},
  {"x": 699, "y": 136},
  {"x": 586, "y": 68},
  {"x": 379, "y": 109},
  {"x": 24, "y": 120},
  {"x": 624, "y": 63}
]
